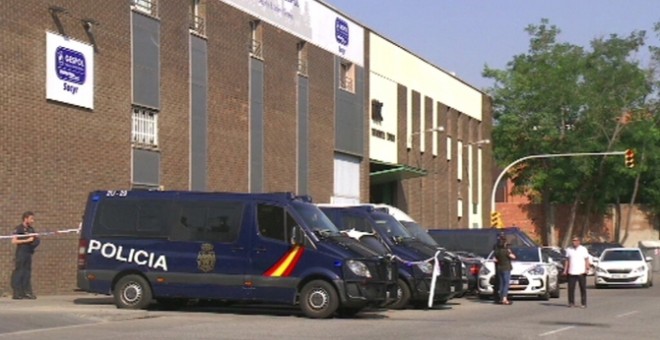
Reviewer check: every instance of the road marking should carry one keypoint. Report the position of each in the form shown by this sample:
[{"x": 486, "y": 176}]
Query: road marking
[
  {"x": 557, "y": 331},
  {"x": 627, "y": 314}
]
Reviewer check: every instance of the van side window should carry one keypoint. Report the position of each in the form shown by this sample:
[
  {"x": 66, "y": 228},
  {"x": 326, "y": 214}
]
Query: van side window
[
  {"x": 274, "y": 222},
  {"x": 134, "y": 218},
  {"x": 208, "y": 221}
]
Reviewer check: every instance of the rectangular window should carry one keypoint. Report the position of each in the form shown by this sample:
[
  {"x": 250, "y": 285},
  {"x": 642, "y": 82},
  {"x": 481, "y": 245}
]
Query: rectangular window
[
  {"x": 274, "y": 222},
  {"x": 302, "y": 58},
  {"x": 145, "y": 127},
  {"x": 459, "y": 154},
  {"x": 146, "y": 6},
  {"x": 133, "y": 218},
  {"x": 208, "y": 222},
  {"x": 256, "y": 39},
  {"x": 459, "y": 211},
  {"x": 347, "y": 76},
  {"x": 197, "y": 17},
  {"x": 449, "y": 148}
]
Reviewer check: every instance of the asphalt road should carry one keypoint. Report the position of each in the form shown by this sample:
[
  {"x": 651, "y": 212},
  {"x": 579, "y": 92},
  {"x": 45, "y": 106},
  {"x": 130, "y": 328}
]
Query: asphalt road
[{"x": 622, "y": 313}]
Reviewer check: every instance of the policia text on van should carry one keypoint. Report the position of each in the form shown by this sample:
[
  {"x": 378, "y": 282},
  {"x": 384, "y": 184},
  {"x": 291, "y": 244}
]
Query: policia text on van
[{"x": 276, "y": 248}]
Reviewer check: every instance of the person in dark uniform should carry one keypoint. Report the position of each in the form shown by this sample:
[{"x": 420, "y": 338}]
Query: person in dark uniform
[
  {"x": 503, "y": 257},
  {"x": 25, "y": 246}
]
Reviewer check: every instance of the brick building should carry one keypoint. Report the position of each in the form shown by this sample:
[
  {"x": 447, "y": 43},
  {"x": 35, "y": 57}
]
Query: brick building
[{"x": 215, "y": 95}]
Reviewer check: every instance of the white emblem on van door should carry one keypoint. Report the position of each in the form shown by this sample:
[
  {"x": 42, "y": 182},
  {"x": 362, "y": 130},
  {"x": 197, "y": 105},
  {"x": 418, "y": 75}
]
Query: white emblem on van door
[{"x": 137, "y": 256}]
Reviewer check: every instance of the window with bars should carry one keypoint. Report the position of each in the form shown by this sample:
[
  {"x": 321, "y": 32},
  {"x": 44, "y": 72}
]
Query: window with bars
[
  {"x": 146, "y": 6},
  {"x": 197, "y": 16},
  {"x": 145, "y": 127},
  {"x": 256, "y": 39},
  {"x": 302, "y": 58},
  {"x": 347, "y": 76}
]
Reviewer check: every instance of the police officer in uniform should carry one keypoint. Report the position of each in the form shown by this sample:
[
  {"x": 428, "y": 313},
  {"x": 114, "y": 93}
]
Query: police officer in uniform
[{"x": 25, "y": 246}]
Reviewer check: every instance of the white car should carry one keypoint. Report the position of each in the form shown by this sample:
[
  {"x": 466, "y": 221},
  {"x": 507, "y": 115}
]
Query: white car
[
  {"x": 623, "y": 266},
  {"x": 533, "y": 274}
]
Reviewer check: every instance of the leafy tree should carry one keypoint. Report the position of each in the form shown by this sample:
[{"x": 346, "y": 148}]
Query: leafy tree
[{"x": 561, "y": 98}]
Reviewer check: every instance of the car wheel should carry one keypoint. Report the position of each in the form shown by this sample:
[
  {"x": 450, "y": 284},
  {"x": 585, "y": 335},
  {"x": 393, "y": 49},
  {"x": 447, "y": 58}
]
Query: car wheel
[
  {"x": 132, "y": 292},
  {"x": 555, "y": 293},
  {"x": 319, "y": 299},
  {"x": 402, "y": 295}
]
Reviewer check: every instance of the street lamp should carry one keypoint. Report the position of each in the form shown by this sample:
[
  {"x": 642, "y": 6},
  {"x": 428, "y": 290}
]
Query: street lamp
[{"x": 435, "y": 129}]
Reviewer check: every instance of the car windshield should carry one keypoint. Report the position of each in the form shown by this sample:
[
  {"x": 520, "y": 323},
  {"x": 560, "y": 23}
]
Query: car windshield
[
  {"x": 388, "y": 225},
  {"x": 596, "y": 249},
  {"x": 420, "y": 233},
  {"x": 527, "y": 254},
  {"x": 621, "y": 255},
  {"x": 315, "y": 219}
]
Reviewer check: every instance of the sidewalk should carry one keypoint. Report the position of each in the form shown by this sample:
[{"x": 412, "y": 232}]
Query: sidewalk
[{"x": 99, "y": 307}]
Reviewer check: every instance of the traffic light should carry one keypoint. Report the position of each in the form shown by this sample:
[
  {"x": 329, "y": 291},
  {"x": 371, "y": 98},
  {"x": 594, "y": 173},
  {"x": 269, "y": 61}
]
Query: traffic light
[
  {"x": 496, "y": 220},
  {"x": 630, "y": 158}
]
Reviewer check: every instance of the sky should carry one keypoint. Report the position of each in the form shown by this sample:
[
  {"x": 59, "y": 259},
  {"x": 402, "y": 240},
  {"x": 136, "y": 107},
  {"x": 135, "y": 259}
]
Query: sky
[{"x": 461, "y": 36}]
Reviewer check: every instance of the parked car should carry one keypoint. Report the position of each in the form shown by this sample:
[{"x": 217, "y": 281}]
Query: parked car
[
  {"x": 623, "y": 266},
  {"x": 533, "y": 274},
  {"x": 558, "y": 255},
  {"x": 595, "y": 249}
]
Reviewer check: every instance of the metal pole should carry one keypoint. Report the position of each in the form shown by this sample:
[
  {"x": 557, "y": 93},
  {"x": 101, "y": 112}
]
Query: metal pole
[{"x": 551, "y": 155}]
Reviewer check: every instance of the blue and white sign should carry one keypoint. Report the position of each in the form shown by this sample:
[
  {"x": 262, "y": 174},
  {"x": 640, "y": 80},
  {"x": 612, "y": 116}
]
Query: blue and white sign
[
  {"x": 69, "y": 71},
  {"x": 311, "y": 21}
]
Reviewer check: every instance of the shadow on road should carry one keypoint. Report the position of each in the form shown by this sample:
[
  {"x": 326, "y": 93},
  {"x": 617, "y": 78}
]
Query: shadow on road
[{"x": 571, "y": 323}]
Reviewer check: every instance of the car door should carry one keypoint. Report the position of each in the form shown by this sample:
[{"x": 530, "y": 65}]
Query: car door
[{"x": 273, "y": 257}]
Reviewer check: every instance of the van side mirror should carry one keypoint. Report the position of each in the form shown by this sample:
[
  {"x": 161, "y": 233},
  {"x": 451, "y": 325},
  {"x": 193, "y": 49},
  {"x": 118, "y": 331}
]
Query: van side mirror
[
  {"x": 297, "y": 235},
  {"x": 649, "y": 259}
]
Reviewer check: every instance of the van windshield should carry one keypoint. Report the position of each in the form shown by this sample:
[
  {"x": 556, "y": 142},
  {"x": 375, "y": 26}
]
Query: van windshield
[
  {"x": 420, "y": 233},
  {"x": 315, "y": 219},
  {"x": 389, "y": 226}
]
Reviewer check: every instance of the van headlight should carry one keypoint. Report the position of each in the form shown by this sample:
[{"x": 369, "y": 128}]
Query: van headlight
[
  {"x": 426, "y": 267},
  {"x": 536, "y": 270},
  {"x": 358, "y": 268}
]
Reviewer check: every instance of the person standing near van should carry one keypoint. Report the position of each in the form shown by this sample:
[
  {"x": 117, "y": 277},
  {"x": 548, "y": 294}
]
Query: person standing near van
[
  {"x": 575, "y": 267},
  {"x": 25, "y": 245},
  {"x": 503, "y": 257}
]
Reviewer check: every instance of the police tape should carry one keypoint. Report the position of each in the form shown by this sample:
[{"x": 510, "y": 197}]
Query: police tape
[
  {"x": 434, "y": 275},
  {"x": 46, "y": 233}
]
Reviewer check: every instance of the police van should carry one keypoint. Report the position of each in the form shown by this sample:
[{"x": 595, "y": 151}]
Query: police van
[
  {"x": 173, "y": 246},
  {"x": 414, "y": 271}
]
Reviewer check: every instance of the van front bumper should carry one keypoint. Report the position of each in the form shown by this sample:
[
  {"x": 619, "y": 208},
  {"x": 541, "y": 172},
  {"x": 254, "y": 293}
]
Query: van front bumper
[{"x": 365, "y": 293}]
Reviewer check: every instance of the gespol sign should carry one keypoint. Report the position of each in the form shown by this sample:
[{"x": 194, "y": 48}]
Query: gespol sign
[
  {"x": 69, "y": 71},
  {"x": 129, "y": 255}
]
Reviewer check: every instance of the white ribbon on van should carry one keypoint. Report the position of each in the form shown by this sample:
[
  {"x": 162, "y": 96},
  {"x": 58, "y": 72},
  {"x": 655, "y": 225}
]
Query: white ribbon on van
[
  {"x": 434, "y": 275},
  {"x": 46, "y": 233}
]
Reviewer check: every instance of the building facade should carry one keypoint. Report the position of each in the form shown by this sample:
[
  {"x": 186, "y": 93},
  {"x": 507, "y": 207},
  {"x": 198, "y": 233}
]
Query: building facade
[{"x": 207, "y": 95}]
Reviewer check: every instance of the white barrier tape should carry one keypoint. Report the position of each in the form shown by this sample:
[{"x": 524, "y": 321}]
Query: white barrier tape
[
  {"x": 434, "y": 275},
  {"x": 63, "y": 231}
]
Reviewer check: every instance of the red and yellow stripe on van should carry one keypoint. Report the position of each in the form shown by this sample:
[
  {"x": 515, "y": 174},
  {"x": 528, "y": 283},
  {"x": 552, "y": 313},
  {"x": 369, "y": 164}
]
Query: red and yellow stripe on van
[{"x": 287, "y": 263}]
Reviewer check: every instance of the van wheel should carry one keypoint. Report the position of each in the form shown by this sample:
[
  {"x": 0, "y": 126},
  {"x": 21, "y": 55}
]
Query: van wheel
[
  {"x": 132, "y": 292},
  {"x": 402, "y": 295},
  {"x": 319, "y": 299}
]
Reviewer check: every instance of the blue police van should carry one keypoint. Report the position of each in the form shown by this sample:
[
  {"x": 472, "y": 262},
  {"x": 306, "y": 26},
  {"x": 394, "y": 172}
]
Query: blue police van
[
  {"x": 414, "y": 275},
  {"x": 172, "y": 246}
]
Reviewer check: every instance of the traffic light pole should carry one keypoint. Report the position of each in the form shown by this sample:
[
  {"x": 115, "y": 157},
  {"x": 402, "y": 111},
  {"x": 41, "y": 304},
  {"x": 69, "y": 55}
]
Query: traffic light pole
[{"x": 551, "y": 155}]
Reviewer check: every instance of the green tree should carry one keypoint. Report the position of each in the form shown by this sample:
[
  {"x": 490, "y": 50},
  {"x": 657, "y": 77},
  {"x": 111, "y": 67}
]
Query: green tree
[{"x": 559, "y": 98}]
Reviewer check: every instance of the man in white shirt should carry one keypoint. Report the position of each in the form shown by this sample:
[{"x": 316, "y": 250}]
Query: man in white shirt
[{"x": 577, "y": 263}]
